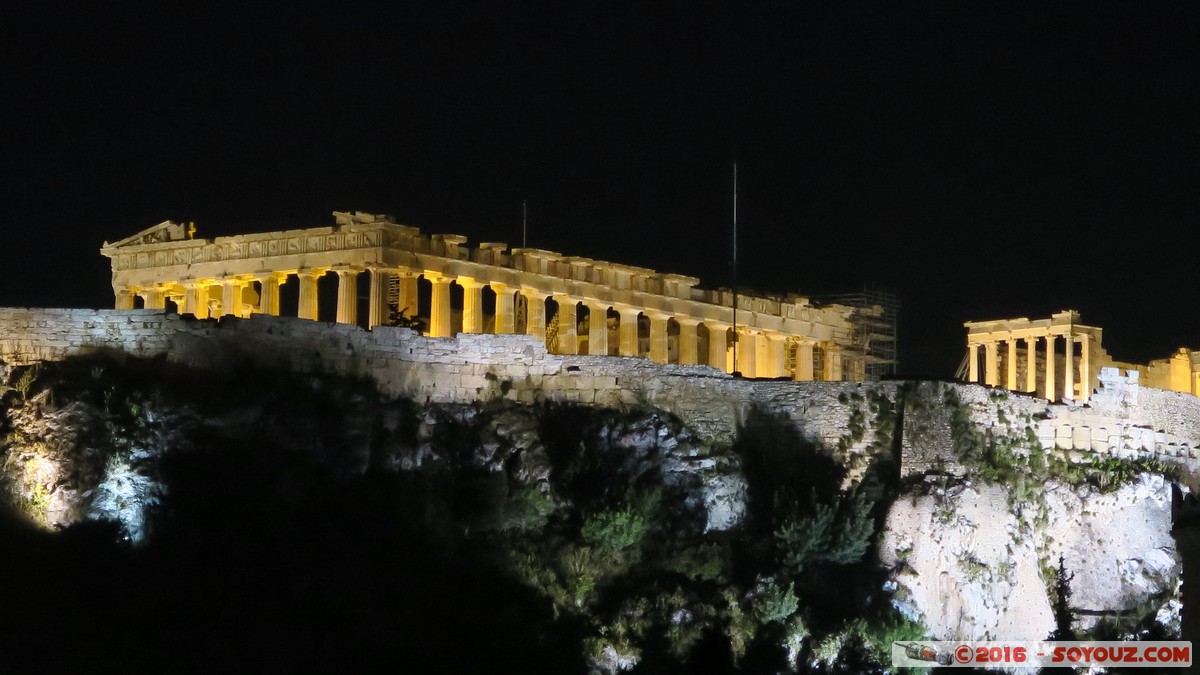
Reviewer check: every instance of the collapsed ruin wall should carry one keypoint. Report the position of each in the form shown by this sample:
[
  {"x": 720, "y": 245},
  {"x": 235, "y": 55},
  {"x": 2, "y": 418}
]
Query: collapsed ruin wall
[{"x": 1121, "y": 419}]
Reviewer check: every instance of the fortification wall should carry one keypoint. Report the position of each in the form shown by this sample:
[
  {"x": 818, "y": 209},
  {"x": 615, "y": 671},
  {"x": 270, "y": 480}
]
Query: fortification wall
[
  {"x": 445, "y": 370},
  {"x": 1122, "y": 419}
]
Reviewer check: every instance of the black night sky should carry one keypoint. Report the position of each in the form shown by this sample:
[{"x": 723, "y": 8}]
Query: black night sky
[{"x": 984, "y": 160}]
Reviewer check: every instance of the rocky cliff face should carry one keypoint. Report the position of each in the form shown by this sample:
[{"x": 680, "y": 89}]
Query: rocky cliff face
[
  {"x": 972, "y": 565},
  {"x": 622, "y": 537}
]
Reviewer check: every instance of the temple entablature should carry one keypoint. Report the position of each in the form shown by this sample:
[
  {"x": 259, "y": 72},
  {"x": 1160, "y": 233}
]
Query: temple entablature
[
  {"x": 1060, "y": 357},
  {"x": 579, "y": 305}
]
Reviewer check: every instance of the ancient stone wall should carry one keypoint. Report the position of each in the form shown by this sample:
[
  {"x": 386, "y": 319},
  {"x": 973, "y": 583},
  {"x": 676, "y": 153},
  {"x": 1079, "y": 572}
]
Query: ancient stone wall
[
  {"x": 1122, "y": 419},
  {"x": 448, "y": 370}
]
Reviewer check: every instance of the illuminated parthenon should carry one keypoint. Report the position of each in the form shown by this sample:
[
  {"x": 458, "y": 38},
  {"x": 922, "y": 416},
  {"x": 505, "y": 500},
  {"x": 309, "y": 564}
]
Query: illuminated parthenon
[
  {"x": 1060, "y": 357},
  {"x": 577, "y": 305}
]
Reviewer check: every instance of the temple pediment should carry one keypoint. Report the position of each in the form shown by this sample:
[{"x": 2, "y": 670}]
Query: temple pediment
[{"x": 162, "y": 232}]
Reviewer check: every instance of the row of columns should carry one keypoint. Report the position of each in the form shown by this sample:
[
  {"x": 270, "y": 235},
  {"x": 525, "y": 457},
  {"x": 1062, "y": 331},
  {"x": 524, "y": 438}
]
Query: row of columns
[
  {"x": 233, "y": 291},
  {"x": 991, "y": 374},
  {"x": 759, "y": 353}
]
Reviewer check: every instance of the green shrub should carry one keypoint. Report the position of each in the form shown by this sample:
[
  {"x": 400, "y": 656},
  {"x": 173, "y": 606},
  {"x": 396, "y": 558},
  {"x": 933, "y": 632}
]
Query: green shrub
[
  {"x": 773, "y": 601},
  {"x": 880, "y": 631},
  {"x": 739, "y": 626},
  {"x": 839, "y": 533},
  {"x": 622, "y": 530},
  {"x": 579, "y": 575},
  {"x": 526, "y": 508},
  {"x": 708, "y": 561},
  {"x": 614, "y": 531}
]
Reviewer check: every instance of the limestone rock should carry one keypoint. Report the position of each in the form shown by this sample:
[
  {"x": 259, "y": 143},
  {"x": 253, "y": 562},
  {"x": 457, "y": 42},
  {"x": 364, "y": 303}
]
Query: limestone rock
[{"x": 970, "y": 569}]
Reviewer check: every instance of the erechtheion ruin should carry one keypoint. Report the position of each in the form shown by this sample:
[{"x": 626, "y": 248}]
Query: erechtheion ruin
[
  {"x": 578, "y": 305},
  {"x": 1060, "y": 357}
]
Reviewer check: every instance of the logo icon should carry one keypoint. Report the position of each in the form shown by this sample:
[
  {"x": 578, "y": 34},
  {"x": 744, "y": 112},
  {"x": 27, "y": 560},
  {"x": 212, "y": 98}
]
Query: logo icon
[{"x": 923, "y": 652}]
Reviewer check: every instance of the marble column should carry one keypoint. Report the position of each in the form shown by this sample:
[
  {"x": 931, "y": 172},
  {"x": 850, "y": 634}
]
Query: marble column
[
  {"x": 535, "y": 312},
  {"x": 268, "y": 297},
  {"x": 973, "y": 362},
  {"x": 439, "y": 307},
  {"x": 154, "y": 298},
  {"x": 124, "y": 299},
  {"x": 833, "y": 362},
  {"x": 629, "y": 331},
  {"x": 718, "y": 345},
  {"x": 1069, "y": 367},
  {"x": 1051, "y": 390},
  {"x": 597, "y": 329},
  {"x": 568, "y": 320},
  {"x": 747, "y": 352},
  {"x": 658, "y": 338},
  {"x": 308, "y": 293},
  {"x": 472, "y": 304},
  {"x": 689, "y": 343},
  {"x": 195, "y": 299},
  {"x": 1085, "y": 368},
  {"x": 777, "y": 355},
  {"x": 377, "y": 303},
  {"x": 231, "y": 297},
  {"x": 991, "y": 366},
  {"x": 347, "y": 296},
  {"x": 506, "y": 315},
  {"x": 1011, "y": 362},
  {"x": 1031, "y": 364},
  {"x": 407, "y": 303},
  {"x": 804, "y": 362}
]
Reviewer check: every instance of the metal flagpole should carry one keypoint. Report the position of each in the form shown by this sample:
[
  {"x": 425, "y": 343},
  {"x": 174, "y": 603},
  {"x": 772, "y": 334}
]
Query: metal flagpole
[{"x": 735, "y": 301}]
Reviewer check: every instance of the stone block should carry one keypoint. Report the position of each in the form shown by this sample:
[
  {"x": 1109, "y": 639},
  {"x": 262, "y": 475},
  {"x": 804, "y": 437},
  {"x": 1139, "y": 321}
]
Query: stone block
[{"x": 1081, "y": 437}]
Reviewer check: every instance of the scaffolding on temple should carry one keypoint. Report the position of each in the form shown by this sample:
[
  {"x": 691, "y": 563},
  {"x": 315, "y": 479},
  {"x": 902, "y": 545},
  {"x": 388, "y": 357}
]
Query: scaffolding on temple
[{"x": 874, "y": 341}]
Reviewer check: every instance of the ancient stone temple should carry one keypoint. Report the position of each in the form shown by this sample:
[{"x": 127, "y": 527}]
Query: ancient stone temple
[
  {"x": 578, "y": 305},
  {"x": 1060, "y": 357}
]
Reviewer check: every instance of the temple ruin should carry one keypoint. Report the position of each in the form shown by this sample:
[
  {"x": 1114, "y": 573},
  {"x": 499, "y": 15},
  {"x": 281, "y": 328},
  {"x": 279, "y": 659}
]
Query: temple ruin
[
  {"x": 576, "y": 305},
  {"x": 1060, "y": 357}
]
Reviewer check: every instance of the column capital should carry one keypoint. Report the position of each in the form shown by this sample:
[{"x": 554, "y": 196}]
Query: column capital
[
  {"x": 470, "y": 283},
  {"x": 343, "y": 270},
  {"x": 269, "y": 276},
  {"x": 437, "y": 278},
  {"x": 311, "y": 273},
  {"x": 690, "y": 321}
]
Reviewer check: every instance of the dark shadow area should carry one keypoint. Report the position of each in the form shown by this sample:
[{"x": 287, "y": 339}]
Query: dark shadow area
[
  {"x": 277, "y": 546},
  {"x": 786, "y": 473},
  {"x": 598, "y": 455},
  {"x": 1185, "y": 513},
  {"x": 260, "y": 564}
]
